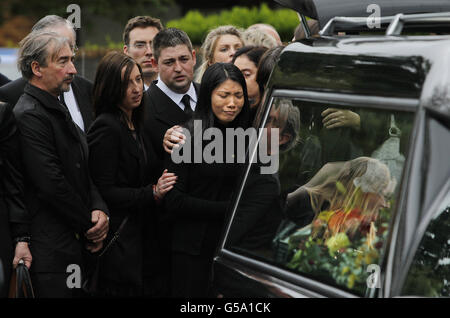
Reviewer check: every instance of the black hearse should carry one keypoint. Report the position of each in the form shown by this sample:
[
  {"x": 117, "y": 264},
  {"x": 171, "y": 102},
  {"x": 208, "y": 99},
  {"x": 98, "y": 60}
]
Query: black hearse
[{"x": 360, "y": 203}]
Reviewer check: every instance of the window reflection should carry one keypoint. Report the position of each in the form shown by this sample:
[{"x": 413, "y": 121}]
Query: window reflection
[
  {"x": 429, "y": 274},
  {"x": 325, "y": 213}
]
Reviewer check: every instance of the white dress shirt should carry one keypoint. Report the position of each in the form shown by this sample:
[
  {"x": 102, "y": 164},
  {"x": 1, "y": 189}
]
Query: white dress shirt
[
  {"x": 74, "y": 110},
  {"x": 176, "y": 97}
]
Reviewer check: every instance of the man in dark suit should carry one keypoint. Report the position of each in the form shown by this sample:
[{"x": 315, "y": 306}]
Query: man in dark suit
[
  {"x": 170, "y": 103},
  {"x": 68, "y": 213},
  {"x": 173, "y": 96},
  {"x": 78, "y": 98}
]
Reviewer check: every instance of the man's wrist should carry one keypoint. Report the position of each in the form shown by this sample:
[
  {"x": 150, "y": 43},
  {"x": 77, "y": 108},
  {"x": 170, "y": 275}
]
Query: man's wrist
[{"x": 22, "y": 239}]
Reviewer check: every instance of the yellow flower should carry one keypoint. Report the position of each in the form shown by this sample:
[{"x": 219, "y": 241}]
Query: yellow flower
[
  {"x": 336, "y": 242},
  {"x": 345, "y": 270},
  {"x": 325, "y": 215},
  {"x": 351, "y": 281}
]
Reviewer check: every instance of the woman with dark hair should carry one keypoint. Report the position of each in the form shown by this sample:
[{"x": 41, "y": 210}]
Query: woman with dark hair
[
  {"x": 199, "y": 200},
  {"x": 266, "y": 65},
  {"x": 247, "y": 60},
  {"x": 122, "y": 164}
]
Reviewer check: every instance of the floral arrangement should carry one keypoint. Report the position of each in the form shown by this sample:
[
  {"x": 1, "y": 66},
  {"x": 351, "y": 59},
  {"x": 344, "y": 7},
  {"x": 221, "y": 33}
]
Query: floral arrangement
[{"x": 338, "y": 245}]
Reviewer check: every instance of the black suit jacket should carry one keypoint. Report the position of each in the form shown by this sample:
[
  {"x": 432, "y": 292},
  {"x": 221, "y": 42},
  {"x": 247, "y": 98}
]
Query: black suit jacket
[
  {"x": 12, "y": 209},
  {"x": 124, "y": 175},
  {"x": 55, "y": 156},
  {"x": 162, "y": 114},
  {"x": 82, "y": 90}
]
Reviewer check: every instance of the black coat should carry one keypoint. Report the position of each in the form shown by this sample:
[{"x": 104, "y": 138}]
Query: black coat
[
  {"x": 162, "y": 113},
  {"x": 12, "y": 209},
  {"x": 198, "y": 202},
  {"x": 258, "y": 214},
  {"x": 124, "y": 176},
  {"x": 55, "y": 156},
  {"x": 4, "y": 80},
  {"x": 82, "y": 90}
]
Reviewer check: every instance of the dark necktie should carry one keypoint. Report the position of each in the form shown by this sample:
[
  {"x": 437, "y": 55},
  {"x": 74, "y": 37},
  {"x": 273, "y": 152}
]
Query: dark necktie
[
  {"x": 63, "y": 102},
  {"x": 187, "y": 105}
]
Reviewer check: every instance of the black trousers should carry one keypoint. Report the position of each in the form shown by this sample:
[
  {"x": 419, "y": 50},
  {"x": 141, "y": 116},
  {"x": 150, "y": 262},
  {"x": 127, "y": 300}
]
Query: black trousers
[
  {"x": 54, "y": 285},
  {"x": 191, "y": 275}
]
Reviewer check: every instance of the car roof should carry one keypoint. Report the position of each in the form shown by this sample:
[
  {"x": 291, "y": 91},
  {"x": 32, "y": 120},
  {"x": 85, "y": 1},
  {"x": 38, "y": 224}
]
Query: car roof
[
  {"x": 389, "y": 66},
  {"x": 324, "y": 10}
]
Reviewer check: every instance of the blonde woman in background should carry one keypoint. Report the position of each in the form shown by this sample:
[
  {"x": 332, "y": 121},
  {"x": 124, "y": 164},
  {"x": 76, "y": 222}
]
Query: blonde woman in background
[{"x": 219, "y": 46}]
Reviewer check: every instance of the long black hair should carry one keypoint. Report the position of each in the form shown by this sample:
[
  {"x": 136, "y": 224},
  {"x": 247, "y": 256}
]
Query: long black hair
[
  {"x": 215, "y": 75},
  {"x": 110, "y": 89}
]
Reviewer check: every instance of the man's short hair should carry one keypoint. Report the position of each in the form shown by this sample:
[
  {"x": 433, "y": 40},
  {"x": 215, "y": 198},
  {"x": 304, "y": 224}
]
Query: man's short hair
[
  {"x": 169, "y": 38},
  {"x": 50, "y": 21},
  {"x": 38, "y": 46},
  {"x": 140, "y": 22}
]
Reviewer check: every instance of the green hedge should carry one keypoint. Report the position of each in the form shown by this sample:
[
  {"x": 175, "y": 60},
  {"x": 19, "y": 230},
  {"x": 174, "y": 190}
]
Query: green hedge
[{"x": 197, "y": 25}]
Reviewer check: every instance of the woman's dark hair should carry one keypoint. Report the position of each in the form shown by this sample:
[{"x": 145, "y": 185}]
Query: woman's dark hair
[
  {"x": 266, "y": 64},
  {"x": 110, "y": 89},
  {"x": 253, "y": 53},
  {"x": 215, "y": 75}
]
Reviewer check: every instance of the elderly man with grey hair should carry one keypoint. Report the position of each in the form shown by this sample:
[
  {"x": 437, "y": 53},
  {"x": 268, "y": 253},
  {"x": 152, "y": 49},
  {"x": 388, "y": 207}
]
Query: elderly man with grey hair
[
  {"x": 78, "y": 98},
  {"x": 69, "y": 215},
  {"x": 269, "y": 29}
]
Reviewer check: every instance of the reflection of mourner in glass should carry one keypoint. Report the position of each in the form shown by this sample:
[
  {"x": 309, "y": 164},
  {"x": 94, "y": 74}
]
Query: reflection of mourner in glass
[
  {"x": 335, "y": 118},
  {"x": 259, "y": 212},
  {"x": 286, "y": 118},
  {"x": 332, "y": 134}
]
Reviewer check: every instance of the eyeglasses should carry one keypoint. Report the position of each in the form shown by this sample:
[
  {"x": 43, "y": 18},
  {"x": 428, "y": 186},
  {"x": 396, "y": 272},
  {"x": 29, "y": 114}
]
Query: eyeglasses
[{"x": 142, "y": 46}]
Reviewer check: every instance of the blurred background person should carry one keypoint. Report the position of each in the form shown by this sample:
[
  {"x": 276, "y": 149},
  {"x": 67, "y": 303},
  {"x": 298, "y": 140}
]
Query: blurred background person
[
  {"x": 265, "y": 66},
  {"x": 137, "y": 38},
  {"x": 257, "y": 37},
  {"x": 125, "y": 170},
  {"x": 219, "y": 46},
  {"x": 269, "y": 29},
  {"x": 300, "y": 34},
  {"x": 78, "y": 98},
  {"x": 199, "y": 200},
  {"x": 247, "y": 59}
]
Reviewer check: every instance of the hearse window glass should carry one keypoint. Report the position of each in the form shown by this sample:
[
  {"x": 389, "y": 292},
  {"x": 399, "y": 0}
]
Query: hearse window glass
[
  {"x": 429, "y": 274},
  {"x": 324, "y": 213}
]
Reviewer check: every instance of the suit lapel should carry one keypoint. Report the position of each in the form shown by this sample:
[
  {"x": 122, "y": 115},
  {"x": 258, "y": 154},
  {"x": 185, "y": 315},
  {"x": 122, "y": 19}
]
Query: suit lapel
[{"x": 165, "y": 109}]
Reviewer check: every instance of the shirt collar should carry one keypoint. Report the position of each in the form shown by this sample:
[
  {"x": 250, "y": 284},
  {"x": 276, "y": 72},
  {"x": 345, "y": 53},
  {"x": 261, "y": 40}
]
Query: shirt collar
[{"x": 176, "y": 97}]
